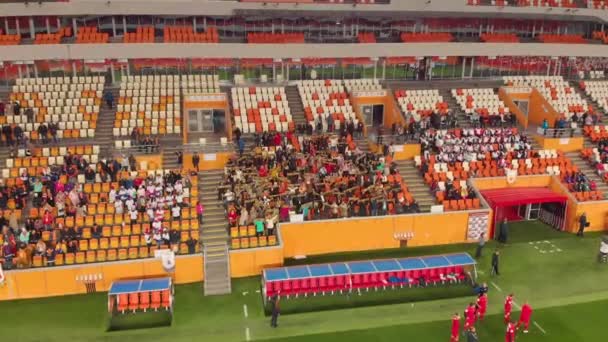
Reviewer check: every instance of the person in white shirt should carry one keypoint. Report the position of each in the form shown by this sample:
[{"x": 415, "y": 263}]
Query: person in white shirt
[
  {"x": 119, "y": 207},
  {"x": 112, "y": 196},
  {"x": 133, "y": 216},
  {"x": 176, "y": 212}
]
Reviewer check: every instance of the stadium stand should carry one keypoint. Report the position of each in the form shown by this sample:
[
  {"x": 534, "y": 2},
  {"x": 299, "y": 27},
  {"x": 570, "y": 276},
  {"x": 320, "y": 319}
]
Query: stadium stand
[
  {"x": 326, "y": 102},
  {"x": 499, "y": 38},
  {"x": 323, "y": 175},
  {"x": 261, "y": 109},
  {"x": 482, "y": 104},
  {"x": 562, "y": 97},
  {"x": 561, "y": 38},
  {"x": 53, "y": 38},
  {"x": 366, "y": 37},
  {"x": 186, "y": 34},
  {"x": 432, "y": 37},
  {"x": 54, "y": 107},
  {"x": 90, "y": 35},
  {"x": 421, "y": 103},
  {"x": 142, "y": 34},
  {"x": 148, "y": 105},
  {"x": 274, "y": 38}
]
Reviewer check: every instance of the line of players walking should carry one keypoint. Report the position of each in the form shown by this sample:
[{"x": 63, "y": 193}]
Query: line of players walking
[{"x": 476, "y": 312}]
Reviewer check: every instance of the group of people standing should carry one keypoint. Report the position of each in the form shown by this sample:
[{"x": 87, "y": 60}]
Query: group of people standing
[{"x": 476, "y": 311}]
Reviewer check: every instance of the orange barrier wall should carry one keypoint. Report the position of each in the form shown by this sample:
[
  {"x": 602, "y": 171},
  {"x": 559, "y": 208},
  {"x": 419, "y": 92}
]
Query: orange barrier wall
[
  {"x": 312, "y": 238},
  {"x": 540, "y": 109},
  {"x": 155, "y": 161},
  {"x": 565, "y": 144},
  {"x": 251, "y": 262},
  {"x": 402, "y": 151},
  {"x": 508, "y": 99},
  {"x": 392, "y": 114},
  {"x": 59, "y": 281},
  {"x": 216, "y": 161},
  {"x": 520, "y": 182},
  {"x": 596, "y": 212}
]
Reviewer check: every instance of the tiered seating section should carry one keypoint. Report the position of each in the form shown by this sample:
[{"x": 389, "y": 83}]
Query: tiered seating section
[
  {"x": 598, "y": 91},
  {"x": 365, "y": 275},
  {"x": 119, "y": 239},
  {"x": 73, "y": 103},
  {"x": 420, "y": 103},
  {"x": 483, "y": 101},
  {"x": 90, "y": 35},
  {"x": 432, "y": 37},
  {"x": 598, "y": 4},
  {"x": 245, "y": 237},
  {"x": 527, "y": 3},
  {"x": 261, "y": 109},
  {"x": 186, "y": 34},
  {"x": 142, "y": 34},
  {"x": 53, "y": 38},
  {"x": 35, "y": 162},
  {"x": 481, "y": 153},
  {"x": 200, "y": 84},
  {"x": 598, "y": 158},
  {"x": 150, "y": 104},
  {"x": 499, "y": 38},
  {"x": 321, "y": 98},
  {"x": 9, "y": 39},
  {"x": 366, "y": 37},
  {"x": 561, "y": 38},
  {"x": 560, "y": 95},
  {"x": 274, "y": 38}
]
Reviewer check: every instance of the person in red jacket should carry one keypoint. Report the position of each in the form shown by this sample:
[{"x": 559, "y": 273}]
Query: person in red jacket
[
  {"x": 508, "y": 306},
  {"x": 455, "y": 328},
  {"x": 524, "y": 317},
  {"x": 482, "y": 304},
  {"x": 510, "y": 333},
  {"x": 469, "y": 316}
]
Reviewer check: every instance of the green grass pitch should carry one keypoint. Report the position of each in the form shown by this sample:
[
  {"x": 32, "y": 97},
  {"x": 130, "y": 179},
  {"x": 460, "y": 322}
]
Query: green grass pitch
[{"x": 556, "y": 272}]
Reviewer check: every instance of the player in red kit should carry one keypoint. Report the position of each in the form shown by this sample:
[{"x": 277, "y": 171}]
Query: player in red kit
[
  {"x": 508, "y": 306},
  {"x": 510, "y": 334},
  {"x": 469, "y": 316},
  {"x": 482, "y": 304},
  {"x": 524, "y": 317},
  {"x": 455, "y": 328}
]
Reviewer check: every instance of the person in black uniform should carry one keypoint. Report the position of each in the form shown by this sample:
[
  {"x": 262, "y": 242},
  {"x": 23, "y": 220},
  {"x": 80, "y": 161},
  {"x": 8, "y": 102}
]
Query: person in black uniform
[
  {"x": 276, "y": 311},
  {"x": 495, "y": 263}
]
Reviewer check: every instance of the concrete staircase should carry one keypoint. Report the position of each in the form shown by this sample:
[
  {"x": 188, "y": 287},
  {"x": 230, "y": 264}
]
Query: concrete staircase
[
  {"x": 415, "y": 183},
  {"x": 105, "y": 124},
  {"x": 295, "y": 103},
  {"x": 462, "y": 117},
  {"x": 588, "y": 170},
  {"x": 589, "y": 100},
  {"x": 214, "y": 236}
]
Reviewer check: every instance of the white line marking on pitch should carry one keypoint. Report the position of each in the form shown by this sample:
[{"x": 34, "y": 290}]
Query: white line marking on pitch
[
  {"x": 496, "y": 286},
  {"x": 245, "y": 311},
  {"x": 247, "y": 334},
  {"x": 481, "y": 272},
  {"x": 516, "y": 305},
  {"x": 540, "y": 328},
  {"x": 245, "y": 293}
]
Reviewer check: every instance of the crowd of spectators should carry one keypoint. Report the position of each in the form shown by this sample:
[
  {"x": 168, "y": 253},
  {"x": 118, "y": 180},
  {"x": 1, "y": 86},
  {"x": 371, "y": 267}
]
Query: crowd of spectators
[
  {"x": 56, "y": 194},
  {"x": 474, "y": 144},
  {"x": 144, "y": 143},
  {"x": 319, "y": 177},
  {"x": 579, "y": 182}
]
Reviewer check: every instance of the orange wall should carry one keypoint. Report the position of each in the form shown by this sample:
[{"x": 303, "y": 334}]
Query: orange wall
[
  {"x": 155, "y": 161},
  {"x": 508, "y": 100},
  {"x": 392, "y": 113},
  {"x": 520, "y": 181},
  {"x": 312, "y": 238},
  {"x": 251, "y": 262},
  {"x": 564, "y": 144},
  {"x": 221, "y": 158},
  {"x": 46, "y": 282},
  {"x": 539, "y": 109},
  {"x": 596, "y": 216}
]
